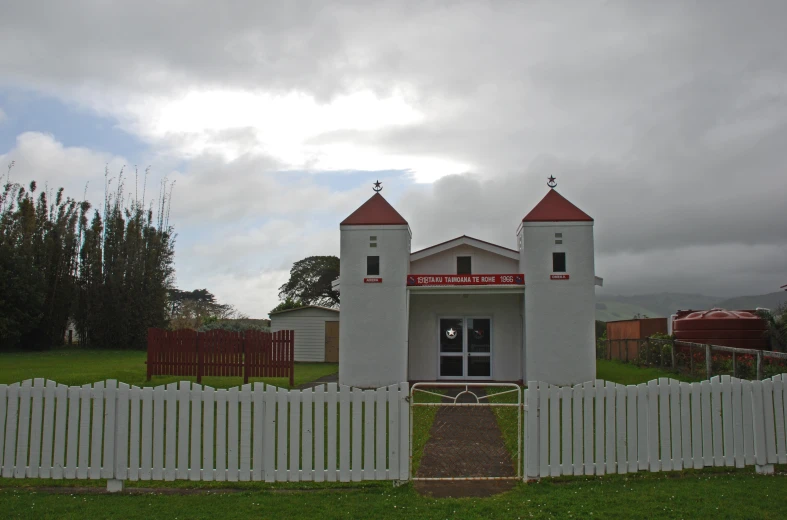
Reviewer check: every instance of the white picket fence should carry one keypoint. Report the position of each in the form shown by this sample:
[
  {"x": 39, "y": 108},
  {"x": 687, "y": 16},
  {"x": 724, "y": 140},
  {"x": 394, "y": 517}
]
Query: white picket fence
[
  {"x": 187, "y": 431},
  {"x": 597, "y": 427}
]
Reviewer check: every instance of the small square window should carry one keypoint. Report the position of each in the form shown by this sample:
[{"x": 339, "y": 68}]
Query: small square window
[
  {"x": 373, "y": 238},
  {"x": 558, "y": 241},
  {"x": 558, "y": 262},
  {"x": 373, "y": 244},
  {"x": 373, "y": 266},
  {"x": 464, "y": 265},
  {"x": 558, "y": 235}
]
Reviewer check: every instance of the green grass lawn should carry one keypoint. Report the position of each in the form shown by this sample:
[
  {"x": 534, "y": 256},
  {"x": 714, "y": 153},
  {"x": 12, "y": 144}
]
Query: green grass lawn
[
  {"x": 81, "y": 366},
  {"x": 704, "y": 494},
  {"x": 628, "y": 374}
]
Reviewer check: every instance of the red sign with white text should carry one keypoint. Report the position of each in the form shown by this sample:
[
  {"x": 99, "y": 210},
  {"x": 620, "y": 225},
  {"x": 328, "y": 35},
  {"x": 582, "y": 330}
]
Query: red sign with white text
[
  {"x": 425, "y": 280},
  {"x": 372, "y": 280},
  {"x": 558, "y": 277}
]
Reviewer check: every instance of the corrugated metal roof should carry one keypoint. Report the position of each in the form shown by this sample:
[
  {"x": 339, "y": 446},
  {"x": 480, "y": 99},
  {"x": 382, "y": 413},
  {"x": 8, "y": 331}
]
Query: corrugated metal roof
[
  {"x": 305, "y": 307},
  {"x": 556, "y": 208},
  {"x": 375, "y": 212}
]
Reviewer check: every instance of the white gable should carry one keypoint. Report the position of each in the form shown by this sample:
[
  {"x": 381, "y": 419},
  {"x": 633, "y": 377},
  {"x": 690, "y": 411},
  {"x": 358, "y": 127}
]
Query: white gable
[{"x": 486, "y": 258}]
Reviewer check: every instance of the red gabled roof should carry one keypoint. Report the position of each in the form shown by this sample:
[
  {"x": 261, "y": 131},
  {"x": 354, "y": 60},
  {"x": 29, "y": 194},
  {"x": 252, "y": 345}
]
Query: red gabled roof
[
  {"x": 555, "y": 208},
  {"x": 375, "y": 212}
]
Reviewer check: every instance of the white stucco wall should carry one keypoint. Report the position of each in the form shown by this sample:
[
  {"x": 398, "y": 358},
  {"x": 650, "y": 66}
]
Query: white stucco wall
[
  {"x": 483, "y": 262},
  {"x": 559, "y": 314},
  {"x": 373, "y": 329},
  {"x": 309, "y": 327},
  {"x": 505, "y": 311}
]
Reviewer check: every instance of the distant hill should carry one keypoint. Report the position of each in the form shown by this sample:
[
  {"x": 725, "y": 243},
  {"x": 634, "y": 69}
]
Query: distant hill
[
  {"x": 613, "y": 308},
  {"x": 769, "y": 301},
  {"x": 658, "y": 305}
]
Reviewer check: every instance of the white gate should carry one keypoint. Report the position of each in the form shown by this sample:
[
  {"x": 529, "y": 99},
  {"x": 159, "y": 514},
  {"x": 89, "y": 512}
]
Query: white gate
[{"x": 465, "y": 431}]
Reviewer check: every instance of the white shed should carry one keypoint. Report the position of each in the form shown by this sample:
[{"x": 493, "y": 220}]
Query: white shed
[{"x": 316, "y": 332}]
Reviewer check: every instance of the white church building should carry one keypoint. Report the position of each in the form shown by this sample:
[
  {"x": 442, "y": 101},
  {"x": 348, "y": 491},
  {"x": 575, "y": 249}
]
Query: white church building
[{"x": 466, "y": 309}]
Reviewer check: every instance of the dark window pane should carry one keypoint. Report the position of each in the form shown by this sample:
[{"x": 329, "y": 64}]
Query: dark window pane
[
  {"x": 558, "y": 262},
  {"x": 373, "y": 265},
  {"x": 450, "y": 335},
  {"x": 479, "y": 366},
  {"x": 463, "y": 265},
  {"x": 451, "y": 366},
  {"x": 478, "y": 335}
]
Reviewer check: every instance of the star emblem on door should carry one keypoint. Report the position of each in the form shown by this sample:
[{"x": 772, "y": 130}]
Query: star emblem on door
[{"x": 450, "y": 333}]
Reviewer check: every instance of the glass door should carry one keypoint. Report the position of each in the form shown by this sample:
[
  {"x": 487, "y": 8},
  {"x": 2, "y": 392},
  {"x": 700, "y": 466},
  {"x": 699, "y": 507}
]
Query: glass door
[{"x": 465, "y": 348}]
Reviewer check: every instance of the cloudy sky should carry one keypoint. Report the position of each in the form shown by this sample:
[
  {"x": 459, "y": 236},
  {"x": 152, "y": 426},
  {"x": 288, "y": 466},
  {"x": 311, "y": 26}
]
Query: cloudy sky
[{"x": 665, "y": 121}]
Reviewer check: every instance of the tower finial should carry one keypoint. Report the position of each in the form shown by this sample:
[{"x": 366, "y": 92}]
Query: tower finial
[
  {"x": 378, "y": 186},
  {"x": 551, "y": 182}
]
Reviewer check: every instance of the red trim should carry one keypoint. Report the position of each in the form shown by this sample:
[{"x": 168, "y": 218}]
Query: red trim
[
  {"x": 558, "y": 277},
  {"x": 373, "y": 280},
  {"x": 460, "y": 238},
  {"x": 432, "y": 280}
]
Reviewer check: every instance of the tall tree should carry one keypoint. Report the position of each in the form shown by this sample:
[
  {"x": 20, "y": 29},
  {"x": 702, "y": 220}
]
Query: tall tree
[{"x": 310, "y": 281}]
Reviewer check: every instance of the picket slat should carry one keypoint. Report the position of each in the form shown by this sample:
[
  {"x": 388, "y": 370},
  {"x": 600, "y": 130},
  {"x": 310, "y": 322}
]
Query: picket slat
[
  {"x": 356, "y": 442},
  {"x": 122, "y": 426},
  {"x": 675, "y": 439},
  {"x": 726, "y": 416},
  {"x": 344, "y": 434},
  {"x": 331, "y": 453},
  {"x": 632, "y": 435},
  {"x": 758, "y": 421},
  {"x": 643, "y": 415},
  {"x": 170, "y": 433},
  {"x": 665, "y": 425},
  {"x": 233, "y": 399},
  {"x": 37, "y": 411},
  {"x": 196, "y": 432},
  {"x": 281, "y": 437},
  {"x": 135, "y": 400},
  {"x": 293, "y": 474},
  {"x": 653, "y": 426},
  {"x": 600, "y": 426},
  {"x": 696, "y": 426},
  {"x": 83, "y": 458},
  {"x": 146, "y": 459},
  {"x": 768, "y": 416},
  {"x": 577, "y": 394},
  {"x": 718, "y": 447},
  {"x": 737, "y": 422},
  {"x": 319, "y": 433},
  {"x": 110, "y": 417},
  {"x": 159, "y": 432},
  {"x": 622, "y": 464},
  {"x": 554, "y": 431},
  {"x": 258, "y": 404},
  {"x": 748, "y": 419},
  {"x": 707, "y": 432},
  {"x": 778, "y": 407},
  {"x": 245, "y": 433},
  {"x": 12, "y": 414},
  {"x": 393, "y": 431},
  {"x": 269, "y": 435},
  {"x": 566, "y": 465},
  {"x": 61, "y": 408},
  {"x": 543, "y": 429},
  {"x": 183, "y": 430},
  {"x": 404, "y": 428},
  {"x": 587, "y": 399},
  {"x": 208, "y": 417},
  {"x": 687, "y": 460},
  {"x": 368, "y": 435},
  {"x": 3, "y": 398},
  {"x": 609, "y": 404},
  {"x": 220, "y": 474},
  {"x": 97, "y": 397},
  {"x": 307, "y": 435},
  {"x": 381, "y": 402},
  {"x": 47, "y": 439},
  {"x": 23, "y": 430}
]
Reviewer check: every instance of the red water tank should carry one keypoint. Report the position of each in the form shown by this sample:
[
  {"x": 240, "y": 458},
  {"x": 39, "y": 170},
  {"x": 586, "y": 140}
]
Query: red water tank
[{"x": 742, "y": 329}]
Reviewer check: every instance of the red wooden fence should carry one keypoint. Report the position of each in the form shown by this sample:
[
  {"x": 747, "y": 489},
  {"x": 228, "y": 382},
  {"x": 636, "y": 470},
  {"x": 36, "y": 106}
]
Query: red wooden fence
[{"x": 221, "y": 353}]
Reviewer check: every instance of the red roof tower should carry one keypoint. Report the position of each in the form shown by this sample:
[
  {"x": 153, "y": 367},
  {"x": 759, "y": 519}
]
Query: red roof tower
[
  {"x": 375, "y": 212},
  {"x": 556, "y": 208}
]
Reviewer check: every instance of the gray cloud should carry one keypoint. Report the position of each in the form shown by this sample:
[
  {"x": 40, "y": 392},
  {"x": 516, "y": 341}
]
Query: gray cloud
[{"x": 665, "y": 121}]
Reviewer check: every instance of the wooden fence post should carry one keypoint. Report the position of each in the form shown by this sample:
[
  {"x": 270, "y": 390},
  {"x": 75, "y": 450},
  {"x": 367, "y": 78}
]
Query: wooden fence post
[
  {"x": 708, "y": 361},
  {"x": 759, "y": 365},
  {"x": 151, "y": 344},
  {"x": 672, "y": 353},
  {"x": 734, "y": 364},
  {"x": 291, "y": 335},
  {"x": 246, "y": 358},
  {"x": 200, "y": 358}
]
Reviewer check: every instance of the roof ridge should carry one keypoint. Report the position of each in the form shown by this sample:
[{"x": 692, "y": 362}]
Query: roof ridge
[
  {"x": 554, "y": 207},
  {"x": 375, "y": 212}
]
